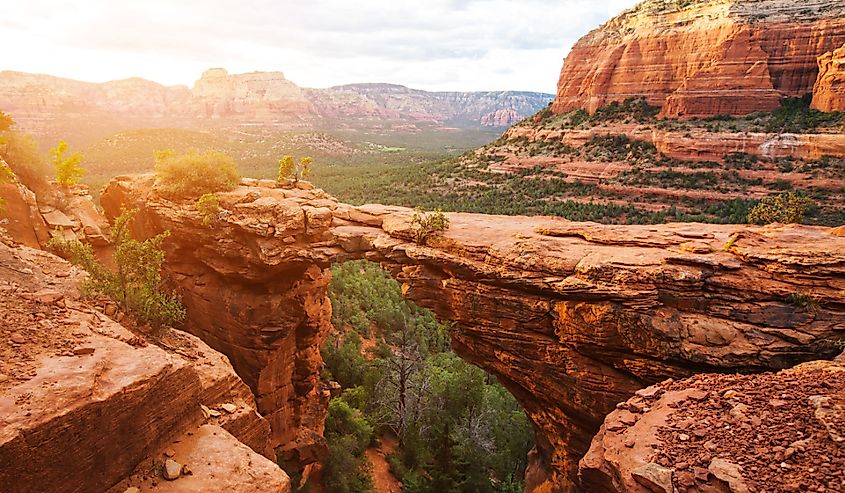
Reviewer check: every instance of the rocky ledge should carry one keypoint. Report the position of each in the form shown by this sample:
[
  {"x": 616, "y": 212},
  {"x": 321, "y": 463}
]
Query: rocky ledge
[
  {"x": 90, "y": 405},
  {"x": 572, "y": 318}
]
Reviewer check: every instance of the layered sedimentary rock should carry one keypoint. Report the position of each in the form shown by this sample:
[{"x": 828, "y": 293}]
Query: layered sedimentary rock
[
  {"x": 572, "y": 318},
  {"x": 767, "y": 432},
  {"x": 829, "y": 91},
  {"x": 703, "y": 57},
  {"x": 85, "y": 401}
]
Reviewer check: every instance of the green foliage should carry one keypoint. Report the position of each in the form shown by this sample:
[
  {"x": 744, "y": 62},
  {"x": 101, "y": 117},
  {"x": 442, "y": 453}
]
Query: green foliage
[
  {"x": 426, "y": 224},
  {"x": 209, "y": 207},
  {"x": 458, "y": 429},
  {"x": 68, "y": 169},
  {"x": 344, "y": 361},
  {"x": 348, "y": 433},
  {"x": 136, "y": 284},
  {"x": 289, "y": 169},
  {"x": 796, "y": 116},
  {"x": 194, "y": 174},
  {"x": 786, "y": 208},
  {"x": 363, "y": 294},
  {"x": 804, "y": 301}
]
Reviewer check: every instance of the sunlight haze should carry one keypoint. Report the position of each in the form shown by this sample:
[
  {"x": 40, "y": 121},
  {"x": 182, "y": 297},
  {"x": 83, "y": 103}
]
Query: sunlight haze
[{"x": 461, "y": 45}]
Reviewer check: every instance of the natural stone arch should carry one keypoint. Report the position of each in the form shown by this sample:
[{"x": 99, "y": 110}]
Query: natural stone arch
[{"x": 571, "y": 317}]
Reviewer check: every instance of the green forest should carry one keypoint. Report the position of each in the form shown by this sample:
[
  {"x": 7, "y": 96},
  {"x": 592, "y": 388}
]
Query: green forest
[{"x": 458, "y": 429}]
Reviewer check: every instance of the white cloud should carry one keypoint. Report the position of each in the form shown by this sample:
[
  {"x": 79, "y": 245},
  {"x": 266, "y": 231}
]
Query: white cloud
[{"x": 435, "y": 45}]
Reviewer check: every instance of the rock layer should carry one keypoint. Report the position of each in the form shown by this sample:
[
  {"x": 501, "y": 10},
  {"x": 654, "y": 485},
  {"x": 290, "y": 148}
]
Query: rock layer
[
  {"x": 829, "y": 91},
  {"x": 572, "y": 318},
  {"x": 702, "y": 58}
]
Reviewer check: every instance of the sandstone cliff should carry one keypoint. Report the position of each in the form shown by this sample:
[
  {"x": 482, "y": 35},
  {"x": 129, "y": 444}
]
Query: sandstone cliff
[
  {"x": 829, "y": 91},
  {"x": 90, "y": 405},
  {"x": 572, "y": 318},
  {"x": 703, "y": 57}
]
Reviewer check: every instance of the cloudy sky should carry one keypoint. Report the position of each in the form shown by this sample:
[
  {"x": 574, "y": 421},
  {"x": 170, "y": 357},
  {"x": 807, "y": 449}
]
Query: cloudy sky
[{"x": 427, "y": 44}]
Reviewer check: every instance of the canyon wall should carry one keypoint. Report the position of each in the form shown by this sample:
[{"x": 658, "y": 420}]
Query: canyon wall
[
  {"x": 572, "y": 318},
  {"x": 703, "y": 57}
]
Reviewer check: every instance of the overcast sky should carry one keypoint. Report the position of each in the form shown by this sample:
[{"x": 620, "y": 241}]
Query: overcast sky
[{"x": 427, "y": 44}]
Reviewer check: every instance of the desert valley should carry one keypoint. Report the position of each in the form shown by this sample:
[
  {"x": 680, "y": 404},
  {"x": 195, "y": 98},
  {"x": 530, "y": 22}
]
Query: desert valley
[{"x": 634, "y": 285}]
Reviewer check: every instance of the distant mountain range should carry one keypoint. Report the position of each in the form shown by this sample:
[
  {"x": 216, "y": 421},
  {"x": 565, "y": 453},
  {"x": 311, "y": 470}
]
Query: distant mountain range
[{"x": 47, "y": 105}]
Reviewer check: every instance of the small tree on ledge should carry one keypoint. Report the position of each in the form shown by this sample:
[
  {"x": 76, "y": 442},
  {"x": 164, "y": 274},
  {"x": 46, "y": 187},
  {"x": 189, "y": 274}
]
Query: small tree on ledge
[
  {"x": 290, "y": 170},
  {"x": 425, "y": 224}
]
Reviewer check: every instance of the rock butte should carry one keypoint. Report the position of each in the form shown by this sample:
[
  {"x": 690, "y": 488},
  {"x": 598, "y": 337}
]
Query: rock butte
[
  {"x": 711, "y": 57},
  {"x": 572, "y": 318}
]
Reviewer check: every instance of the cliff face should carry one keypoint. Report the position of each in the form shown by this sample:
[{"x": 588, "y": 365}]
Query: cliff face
[
  {"x": 704, "y": 57},
  {"x": 572, "y": 318},
  {"x": 829, "y": 91},
  {"x": 90, "y": 405}
]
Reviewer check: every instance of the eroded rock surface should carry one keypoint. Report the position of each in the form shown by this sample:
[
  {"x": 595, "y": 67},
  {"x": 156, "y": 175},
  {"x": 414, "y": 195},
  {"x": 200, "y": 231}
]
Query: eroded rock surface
[
  {"x": 84, "y": 400},
  {"x": 765, "y": 432},
  {"x": 571, "y": 317},
  {"x": 703, "y": 57},
  {"x": 829, "y": 91}
]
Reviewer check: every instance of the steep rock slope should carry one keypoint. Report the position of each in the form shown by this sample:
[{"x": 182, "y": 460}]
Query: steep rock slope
[
  {"x": 86, "y": 402},
  {"x": 829, "y": 91},
  {"x": 571, "y": 317},
  {"x": 703, "y": 57}
]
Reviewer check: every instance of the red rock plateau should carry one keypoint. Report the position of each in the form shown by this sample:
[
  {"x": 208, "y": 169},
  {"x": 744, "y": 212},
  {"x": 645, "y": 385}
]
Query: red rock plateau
[
  {"x": 90, "y": 405},
  {"x": 703, "y": 57},
  {"x": 573, "y": 318}
]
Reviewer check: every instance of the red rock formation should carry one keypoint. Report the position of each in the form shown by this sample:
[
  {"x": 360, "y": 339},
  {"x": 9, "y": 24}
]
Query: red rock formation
[
  {"x": 84, "y": 400},
  {"x": 572, "y": 318},
  {"x": 724, "y": 433},
  {"x": 30, "y": 220},
  {"x": 711, "y": 57},
  {"x": 829, "y": 91}
]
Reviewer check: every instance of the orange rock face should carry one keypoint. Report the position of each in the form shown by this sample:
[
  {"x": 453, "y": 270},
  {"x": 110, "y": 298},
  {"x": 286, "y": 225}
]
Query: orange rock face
[
  {"x": 572, "y": 318},
  {"x": 711, "y": 57},
  {"x": 829, "y": 91}
]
